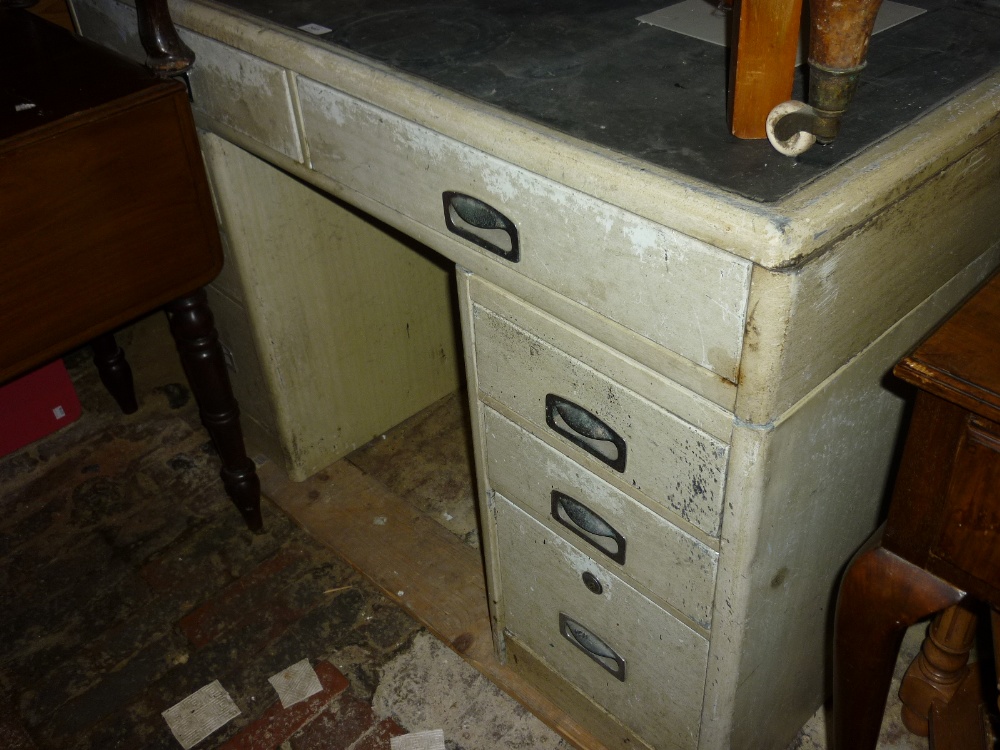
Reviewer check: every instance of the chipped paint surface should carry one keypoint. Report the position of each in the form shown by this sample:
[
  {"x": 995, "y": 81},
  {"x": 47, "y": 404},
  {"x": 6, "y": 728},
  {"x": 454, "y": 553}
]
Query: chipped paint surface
[
  {"x": 657, "y": 648},
  {"x": 849, "y": 266},
  {"x": 247, "y": 94},
  {"x": 665, "y": 286},
  {"x": 671, "y": 563},
  {"x": 671, "y": 462}
]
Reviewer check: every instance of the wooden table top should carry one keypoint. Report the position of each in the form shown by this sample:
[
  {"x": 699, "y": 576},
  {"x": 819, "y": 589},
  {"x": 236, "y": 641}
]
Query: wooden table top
[
  {"x": 48, "y": 74},
  {"x": 960, "y": 361}
]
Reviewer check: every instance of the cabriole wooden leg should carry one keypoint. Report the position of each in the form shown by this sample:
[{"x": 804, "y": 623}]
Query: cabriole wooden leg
[
  {"x": 880, "y": 597},
  {"x": 115, "y": 372},
  {"x": 193, "y": 328},
  {"x": 939, "y": 668}
]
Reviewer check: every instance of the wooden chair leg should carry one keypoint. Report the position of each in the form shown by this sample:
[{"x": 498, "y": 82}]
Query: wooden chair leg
[
  {"x": 938, "y": 670},
  {"x": 193, "y": 328},
  {"x": 880, "y": 597},
  {"x": 115, "y": 372}
]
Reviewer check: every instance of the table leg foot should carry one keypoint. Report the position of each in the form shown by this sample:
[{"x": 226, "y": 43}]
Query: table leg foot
[
  {"x": 939, "y": 669},
  {"x": 880, "y": 597},
  {"x": 193, "y": 328},
  {"x": 115, "y": 372}
]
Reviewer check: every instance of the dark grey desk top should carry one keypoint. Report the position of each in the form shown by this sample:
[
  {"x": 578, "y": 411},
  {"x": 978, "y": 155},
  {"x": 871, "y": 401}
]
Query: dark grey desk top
[{"x": 587, "y": 68}]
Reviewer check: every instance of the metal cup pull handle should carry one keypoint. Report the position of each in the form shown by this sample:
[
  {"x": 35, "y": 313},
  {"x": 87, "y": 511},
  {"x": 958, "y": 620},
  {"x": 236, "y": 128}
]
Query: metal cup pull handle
[
  {"x": 480, "y": 223},
  {"x": 584, "y": 429},
  {"x": 587, "y": 525},
  {"x": 592, "y": 646}
]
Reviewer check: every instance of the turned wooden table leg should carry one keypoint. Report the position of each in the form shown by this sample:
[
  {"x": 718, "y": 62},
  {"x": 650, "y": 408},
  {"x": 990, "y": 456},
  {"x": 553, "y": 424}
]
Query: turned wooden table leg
[
  {"x": 995, "y": 631},
  {"x": 193, "y": 328},
  {"x": 880, "y": 597},
  {"x": 939, "y": 668},
  {"x": 115, "y": 372}
]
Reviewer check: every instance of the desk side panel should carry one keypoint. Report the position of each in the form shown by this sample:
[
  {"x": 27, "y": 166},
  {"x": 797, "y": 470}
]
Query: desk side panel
[
  {"x": 803, "y": 495},
  {"x": 354, "y": 324},
  {"x": 806, "y": 322}
]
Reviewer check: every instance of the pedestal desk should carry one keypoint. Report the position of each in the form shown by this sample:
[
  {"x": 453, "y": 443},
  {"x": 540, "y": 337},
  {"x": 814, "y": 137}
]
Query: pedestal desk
[{"x": 674, "y": 342}]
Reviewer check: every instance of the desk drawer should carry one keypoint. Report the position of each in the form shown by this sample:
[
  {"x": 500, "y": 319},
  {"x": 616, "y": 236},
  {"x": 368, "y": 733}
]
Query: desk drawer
[
  {"x": 639, "y": 544},
  {"x": 676, "y": 291},
  {"x": 677, "y": 466},
  {"x": 643, "y": 665},
  {"x": 245, "y": 93},
  {"x": 238, "y": 90}
]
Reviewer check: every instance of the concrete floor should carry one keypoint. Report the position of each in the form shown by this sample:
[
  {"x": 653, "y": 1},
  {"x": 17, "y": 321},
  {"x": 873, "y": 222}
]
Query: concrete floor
[{"x": 129, "y": 583}]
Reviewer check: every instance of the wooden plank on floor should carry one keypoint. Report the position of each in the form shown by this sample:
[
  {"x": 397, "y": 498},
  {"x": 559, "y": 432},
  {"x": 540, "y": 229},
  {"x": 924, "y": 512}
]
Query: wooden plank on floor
[{"x": 417, "y": 563}]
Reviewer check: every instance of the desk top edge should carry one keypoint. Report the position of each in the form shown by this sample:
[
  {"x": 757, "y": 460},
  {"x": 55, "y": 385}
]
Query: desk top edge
[{"x": 777, "y": 235}]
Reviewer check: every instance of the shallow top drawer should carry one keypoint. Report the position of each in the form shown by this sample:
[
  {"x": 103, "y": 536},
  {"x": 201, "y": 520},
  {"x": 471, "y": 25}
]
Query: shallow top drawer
[
  {"x": 238, "y": 90},
  {"x": 669, "y": 288},
  {"x": 245, "y": 93}
]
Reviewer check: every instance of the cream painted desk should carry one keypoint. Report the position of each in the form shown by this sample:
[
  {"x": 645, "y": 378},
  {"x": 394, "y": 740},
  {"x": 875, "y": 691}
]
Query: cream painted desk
[{"x": 680, "y": 423}]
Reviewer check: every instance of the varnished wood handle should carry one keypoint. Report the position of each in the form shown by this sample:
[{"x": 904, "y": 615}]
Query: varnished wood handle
[
  {"x": 840, "y": 32},
  {"x": 166, "y": 54},
  {"x": 838, "y": 48},
  {"x": 763, "y": 42}
]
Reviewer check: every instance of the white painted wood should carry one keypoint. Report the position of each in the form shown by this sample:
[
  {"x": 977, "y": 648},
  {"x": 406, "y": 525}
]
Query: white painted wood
[
  {"x": 671, "y": 462},
  {"x": 682, "y": 375},
  {"x": 354, "y": 331},
  {"x": 662, "y": 391},
  {"x": 240, "y": 90},
  {"x": 610, "y": 732},
  {"x": 660, "y": 698},
  {"x": 807, "y": 321},
  {"x": 837, "y": 265},
  {"x": 244, "y": 92},
  {"x": 804, "y": 494},
  {"x": 670, "y": 288},
  {"x": 670, "y": 564},
  {"x": 487, "y": 517},
  {"x": 114, "y": 24}
]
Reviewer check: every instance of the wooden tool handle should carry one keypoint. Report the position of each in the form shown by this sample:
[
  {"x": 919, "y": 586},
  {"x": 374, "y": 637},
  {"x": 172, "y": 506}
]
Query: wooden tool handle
[
  {"x": 840, "y": 32},
  {"x": 765, "y": 37},
  {"x": 166, "y": 54}
]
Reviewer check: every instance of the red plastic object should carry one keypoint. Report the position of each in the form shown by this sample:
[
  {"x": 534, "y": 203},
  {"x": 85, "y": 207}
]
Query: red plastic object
[{"x": 36, "y": 405}]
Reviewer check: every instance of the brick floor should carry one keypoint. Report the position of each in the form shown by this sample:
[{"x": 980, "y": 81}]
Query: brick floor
[
  {"x": 129, "y": 582},
  {"x": 278, "y": 724}
]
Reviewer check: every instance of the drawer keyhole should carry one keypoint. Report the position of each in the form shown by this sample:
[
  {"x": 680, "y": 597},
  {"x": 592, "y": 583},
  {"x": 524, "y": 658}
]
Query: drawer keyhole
[{"x": 593, "y": 585}]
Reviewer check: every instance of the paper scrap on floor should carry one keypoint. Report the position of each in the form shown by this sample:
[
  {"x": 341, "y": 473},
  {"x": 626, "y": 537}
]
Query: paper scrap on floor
[
  {"x": 200, "y": 714},
  {"x": 296, "y": 683},
  {"x": 430, "y": 740}
]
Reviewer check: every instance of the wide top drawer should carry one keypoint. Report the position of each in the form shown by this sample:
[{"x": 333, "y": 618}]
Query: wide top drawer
[{"x": 674, "y": 290}]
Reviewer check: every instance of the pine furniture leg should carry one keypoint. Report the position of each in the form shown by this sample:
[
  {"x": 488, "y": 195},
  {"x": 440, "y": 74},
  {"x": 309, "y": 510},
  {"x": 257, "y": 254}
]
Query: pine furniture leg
[
  {"x": 115, "y": 372},
  {"x": 193, "y": 328},
  {"x": 880, "y": 597}
]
